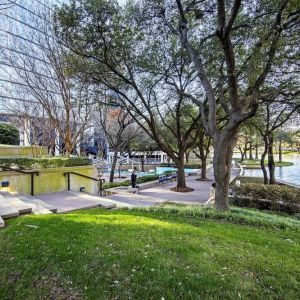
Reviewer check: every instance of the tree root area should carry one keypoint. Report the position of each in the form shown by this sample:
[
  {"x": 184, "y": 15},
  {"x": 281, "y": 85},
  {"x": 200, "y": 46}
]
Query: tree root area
[
  {"x": 204, "y": 179},
  {"x": 181, "y": 189}
]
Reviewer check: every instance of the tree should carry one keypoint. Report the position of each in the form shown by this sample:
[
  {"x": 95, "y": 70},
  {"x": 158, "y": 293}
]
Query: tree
[
  {"x": 119, "y": 128},
  {"x": 42, "y": 71},
  {"x": 150, "y": 82},
  {"x": 202, "y": 150},
  {"x": 9, "y": 135},
  {"x": 246, "y": 141},
  {"x": 247, "y": 39},
  {"x": 272, "y": 116},
  {"x": 34, "y": 122}
]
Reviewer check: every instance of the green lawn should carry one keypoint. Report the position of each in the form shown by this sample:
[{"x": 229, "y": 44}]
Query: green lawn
[{"x": 161, "y": 253}]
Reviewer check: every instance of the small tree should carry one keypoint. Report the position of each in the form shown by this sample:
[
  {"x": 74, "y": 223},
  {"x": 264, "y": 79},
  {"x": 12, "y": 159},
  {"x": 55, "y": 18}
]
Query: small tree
[
  {"x": 42, "y": 71},
  {"x": 201, "y": 150},
  {"x": 9, "y": 134},
  {"x": 272, "y": 116},
  {"x": 119, "y": 128}
]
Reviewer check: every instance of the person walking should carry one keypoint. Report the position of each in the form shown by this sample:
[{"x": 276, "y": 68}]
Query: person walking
[{"x": 133, "y": 178}]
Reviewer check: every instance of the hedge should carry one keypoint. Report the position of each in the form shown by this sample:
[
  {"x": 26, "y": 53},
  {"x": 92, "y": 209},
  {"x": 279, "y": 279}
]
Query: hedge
[
  {"x": 43, "y": 163},
  {"x": 186, "y": 166},
  {"x": 270, "y": 197},
  {"x": 142, "y": 179}
]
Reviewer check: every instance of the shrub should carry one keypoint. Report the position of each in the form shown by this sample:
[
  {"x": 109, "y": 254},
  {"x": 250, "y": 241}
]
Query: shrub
[
  {"x": 43, "y": 163},
  {"x": 192, "y": 166},
  {"x": 187, "y": 166},
  {"x": 271, "y": 197},
  {"x": 142, "y": 179},
  {"x": 9, "y": 134}
]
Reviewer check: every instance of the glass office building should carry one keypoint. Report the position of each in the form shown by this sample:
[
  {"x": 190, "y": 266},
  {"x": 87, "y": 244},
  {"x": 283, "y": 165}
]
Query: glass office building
[{"x": 20, "y": 25}]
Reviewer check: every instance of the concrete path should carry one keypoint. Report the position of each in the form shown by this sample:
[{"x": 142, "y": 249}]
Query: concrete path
[
  {"x": 135, "y": 200},
  {"x": 199, "y": 195},
  {"x": 162, "y": 193}
]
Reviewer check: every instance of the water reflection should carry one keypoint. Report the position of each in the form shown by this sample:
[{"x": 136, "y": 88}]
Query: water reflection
[{"x": 290, "y": 174}]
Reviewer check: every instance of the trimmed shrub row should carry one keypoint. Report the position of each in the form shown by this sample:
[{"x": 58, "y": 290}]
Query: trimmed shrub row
[
  {"x": 270, "y": 197},
  {"x": 142, "y": 179},
  {"x": 187, "y": 166},
  {"x": 43, "y": 163}
]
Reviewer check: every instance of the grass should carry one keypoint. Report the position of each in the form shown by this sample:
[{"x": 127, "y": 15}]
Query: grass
[
  {"x": 255, "y": 163},
  {"x": 170, "y": 252}
]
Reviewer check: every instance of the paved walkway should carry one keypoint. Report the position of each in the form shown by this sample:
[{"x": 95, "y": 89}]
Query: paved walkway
[{"x": 161, "y": 193}]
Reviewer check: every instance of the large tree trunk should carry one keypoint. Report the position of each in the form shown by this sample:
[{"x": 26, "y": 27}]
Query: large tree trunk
[
  {"x": 181, "y": 184},
  {"x": 113, "y": 166},
  {"x": 223, "y": 151},
  {"x": 245, "y": 154},
  {"x": 256, "y": 151},
  {"x": 262, "y": 161},
  {"x": 203, "y": 168},
  {"x": 250, "y": 153},
  {"x": 271, "y": 161},
  {"x": 143, "y": 165},
  {"x": 280, "y": 150},
  {"x": 187, "y": 157}
]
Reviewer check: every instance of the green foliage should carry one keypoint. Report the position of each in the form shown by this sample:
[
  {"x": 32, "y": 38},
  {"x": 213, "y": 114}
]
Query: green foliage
[
  {"x": 236, "y": 215},
  {"x": 141, "y": 179},
  {"x": 43, "y": 163},
  {"x": 9, "y": 135},
  {"x": 273, "y": 197},
  {"x": 143, "y": 254},
  {"x": 186, "y": 166}
]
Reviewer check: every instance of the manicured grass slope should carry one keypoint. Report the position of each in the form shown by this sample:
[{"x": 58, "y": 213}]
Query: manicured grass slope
[{"x": 161, "y": 253}]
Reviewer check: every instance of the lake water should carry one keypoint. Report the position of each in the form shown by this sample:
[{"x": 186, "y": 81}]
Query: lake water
[{"x": 290, "y": 174}]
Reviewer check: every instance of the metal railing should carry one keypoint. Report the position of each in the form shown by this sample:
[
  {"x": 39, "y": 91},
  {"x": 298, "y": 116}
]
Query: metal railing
[
  {"x": 100, "y": 181},
  {"x": 31, "y": 173}
]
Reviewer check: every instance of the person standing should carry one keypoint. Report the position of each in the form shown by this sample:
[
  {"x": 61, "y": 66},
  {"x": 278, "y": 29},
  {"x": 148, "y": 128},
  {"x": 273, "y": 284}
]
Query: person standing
[
  {"x": 133, "y": 178},
  {"x": 212, "y": 193}
]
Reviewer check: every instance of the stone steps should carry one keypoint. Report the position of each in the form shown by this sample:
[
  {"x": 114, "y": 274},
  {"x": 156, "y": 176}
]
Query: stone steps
[
  {"x": 14, "y": 204},
  {"x": 11, "y": 207},
  {"x": 39, "y": 207},
  {"x": 68, "y": 201}
]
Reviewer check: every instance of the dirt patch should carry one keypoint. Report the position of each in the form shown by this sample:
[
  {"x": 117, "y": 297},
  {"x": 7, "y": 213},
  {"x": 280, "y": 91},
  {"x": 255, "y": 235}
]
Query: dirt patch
[
  {"x": 203, "y": 179},
  {"x": 182, "y": 190},
  {"x": 13, "y": 277},
  {"x": 54, "y": 287}
]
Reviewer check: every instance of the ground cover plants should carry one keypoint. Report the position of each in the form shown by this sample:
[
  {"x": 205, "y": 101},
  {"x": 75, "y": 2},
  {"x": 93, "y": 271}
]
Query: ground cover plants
[{"x": 276, "y": 197}]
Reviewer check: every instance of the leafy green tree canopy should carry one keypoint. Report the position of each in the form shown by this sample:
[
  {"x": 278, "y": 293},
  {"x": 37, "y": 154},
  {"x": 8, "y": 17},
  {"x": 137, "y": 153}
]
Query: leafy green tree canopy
[{"x": 9, "y": 135}]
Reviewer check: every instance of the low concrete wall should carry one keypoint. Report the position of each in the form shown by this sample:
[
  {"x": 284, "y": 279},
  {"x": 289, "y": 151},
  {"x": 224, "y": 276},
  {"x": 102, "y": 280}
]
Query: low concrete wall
[
  {"x": 51, "y": 180},
  {"x": 22, "y": 151}
]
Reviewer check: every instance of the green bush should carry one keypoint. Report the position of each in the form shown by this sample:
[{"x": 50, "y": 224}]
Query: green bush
[
  {"x": 186, "y": 166},
  {"x": 192, "y": 166},
  {"x": 236, "y": 215},
  {"x": 9, "y": 134},
  {"x": 142, "y": 179},
  {"x": 271, "y": 197},
  {"x": 43, "y": 163}
]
